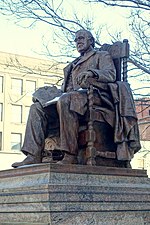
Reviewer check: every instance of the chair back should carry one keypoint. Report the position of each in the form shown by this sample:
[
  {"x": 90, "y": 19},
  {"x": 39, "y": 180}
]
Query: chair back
[{"x": 120, "y": 54}]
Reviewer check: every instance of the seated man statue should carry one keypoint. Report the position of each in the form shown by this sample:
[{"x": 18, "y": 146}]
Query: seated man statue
[{"x": 66, "y": 114}]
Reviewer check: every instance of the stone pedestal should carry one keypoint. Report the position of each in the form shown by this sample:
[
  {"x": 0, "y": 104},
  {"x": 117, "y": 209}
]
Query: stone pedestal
[{"x": 51, "y": 194}]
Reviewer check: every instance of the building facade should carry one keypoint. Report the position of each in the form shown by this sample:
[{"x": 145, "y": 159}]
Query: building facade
[
  {"x": 19, "y": 77},
  {"x": 143, "y": 112},
  {"x": 142, "y": 158}
]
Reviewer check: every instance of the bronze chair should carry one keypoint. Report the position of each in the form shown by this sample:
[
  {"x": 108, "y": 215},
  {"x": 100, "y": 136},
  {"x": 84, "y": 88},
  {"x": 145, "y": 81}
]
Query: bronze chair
[{"x": 95, "y": 147}]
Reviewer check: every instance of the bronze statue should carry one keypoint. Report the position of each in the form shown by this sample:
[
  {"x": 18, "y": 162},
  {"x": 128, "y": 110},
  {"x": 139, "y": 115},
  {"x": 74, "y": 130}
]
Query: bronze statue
[{"x": 64, "y": 117}]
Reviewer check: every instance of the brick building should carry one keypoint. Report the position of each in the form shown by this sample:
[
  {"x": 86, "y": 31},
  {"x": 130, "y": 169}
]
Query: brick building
[
  {"x": 142, "y": 158},
  {"x": 143, "y": 113}
]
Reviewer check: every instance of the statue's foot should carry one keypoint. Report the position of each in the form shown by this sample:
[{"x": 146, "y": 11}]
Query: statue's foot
[
  {"x": 27, "y": 161},
  {"x": 68, "y": 159}
]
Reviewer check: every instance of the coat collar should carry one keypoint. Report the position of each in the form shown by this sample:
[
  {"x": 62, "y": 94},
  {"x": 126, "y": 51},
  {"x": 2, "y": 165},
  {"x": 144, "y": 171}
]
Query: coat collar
[
  {"x": 77, "y": 62},
  {"x": 85, "y": 57}
]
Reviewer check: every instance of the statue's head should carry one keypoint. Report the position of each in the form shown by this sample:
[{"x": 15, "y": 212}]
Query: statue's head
[{"x": 84, "y": 41}]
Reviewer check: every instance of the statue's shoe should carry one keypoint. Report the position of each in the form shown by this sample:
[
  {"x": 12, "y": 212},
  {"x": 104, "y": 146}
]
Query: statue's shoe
[
  {"x": 27, "y": 161},
  {"x": 68, "y": 159}
]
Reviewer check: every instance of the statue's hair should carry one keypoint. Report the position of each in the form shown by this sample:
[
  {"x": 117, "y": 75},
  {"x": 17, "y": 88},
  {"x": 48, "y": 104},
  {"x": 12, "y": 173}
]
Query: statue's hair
[{"x": 89, "y": 35}]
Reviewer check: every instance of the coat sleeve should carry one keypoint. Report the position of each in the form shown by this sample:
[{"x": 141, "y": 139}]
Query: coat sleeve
[{"x": 105, "y": 71}]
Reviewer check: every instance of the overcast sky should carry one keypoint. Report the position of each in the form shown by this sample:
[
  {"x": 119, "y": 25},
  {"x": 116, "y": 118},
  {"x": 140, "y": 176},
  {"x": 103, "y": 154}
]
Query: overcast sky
[
  {"x": 28, "y": 42},
  {"x": 18, "y": 40}
]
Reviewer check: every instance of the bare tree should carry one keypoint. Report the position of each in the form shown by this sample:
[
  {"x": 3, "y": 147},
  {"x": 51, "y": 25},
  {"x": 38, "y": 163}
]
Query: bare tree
[
  {"x": 134, "y": 4},
  {"x": 29, "y": 12}
]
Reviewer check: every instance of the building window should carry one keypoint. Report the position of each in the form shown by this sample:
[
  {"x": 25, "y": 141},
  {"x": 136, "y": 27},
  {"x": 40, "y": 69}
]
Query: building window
[
  {"x": 1, "y": 84},
  {"x": 16, "y": 114},
  {"x": 16, "y": 140},
  {"x": 0, "y": 141},
  {"x": 17, "y": 86},
  {"x": 30, "y": 87},
  {"x": 141, "y": 163},
  {"x": 1, "y": 111}
]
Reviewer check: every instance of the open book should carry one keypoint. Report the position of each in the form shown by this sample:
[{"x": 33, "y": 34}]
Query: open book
[{"x": 47, "y": 95}]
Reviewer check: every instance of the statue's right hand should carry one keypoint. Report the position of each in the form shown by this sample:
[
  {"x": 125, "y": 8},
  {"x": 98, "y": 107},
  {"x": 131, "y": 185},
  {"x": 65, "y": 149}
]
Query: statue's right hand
[{"x": 83, "y": 77}]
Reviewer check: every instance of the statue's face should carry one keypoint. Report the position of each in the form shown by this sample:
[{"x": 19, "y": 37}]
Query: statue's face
[{"x": 83, "y": 42}]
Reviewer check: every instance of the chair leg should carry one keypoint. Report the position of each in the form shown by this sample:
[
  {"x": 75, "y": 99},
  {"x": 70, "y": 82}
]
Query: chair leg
[{"x": 91, "y": 135}]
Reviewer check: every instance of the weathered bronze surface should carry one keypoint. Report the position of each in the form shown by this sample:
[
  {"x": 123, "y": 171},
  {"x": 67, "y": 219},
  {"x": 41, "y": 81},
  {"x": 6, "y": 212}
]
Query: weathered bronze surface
[{"x": 93, "y": 120}]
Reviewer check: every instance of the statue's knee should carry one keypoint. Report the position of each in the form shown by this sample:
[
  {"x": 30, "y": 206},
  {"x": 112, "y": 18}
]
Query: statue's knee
[{"x": 35, "y": 106}]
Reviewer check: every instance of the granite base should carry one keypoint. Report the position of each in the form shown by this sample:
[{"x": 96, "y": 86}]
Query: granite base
[{"x": 51, "y": 194}]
